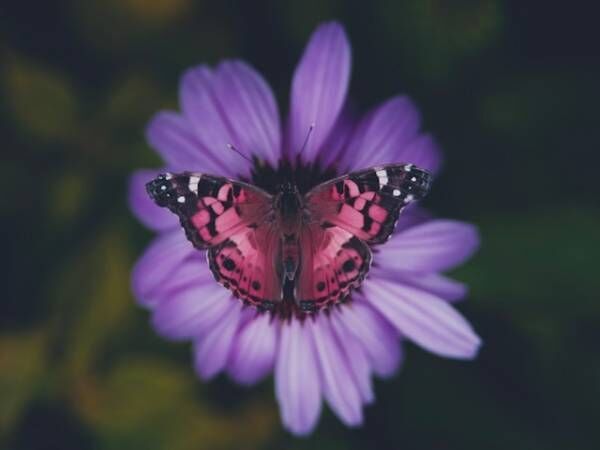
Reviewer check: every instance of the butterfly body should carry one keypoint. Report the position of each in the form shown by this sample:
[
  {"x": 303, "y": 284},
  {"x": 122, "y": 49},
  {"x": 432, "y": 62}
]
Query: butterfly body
[{"x": 273, "y": 250}]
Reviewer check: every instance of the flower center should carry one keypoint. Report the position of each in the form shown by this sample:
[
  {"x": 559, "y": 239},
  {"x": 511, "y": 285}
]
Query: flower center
[{"x": 304, "y": 176}]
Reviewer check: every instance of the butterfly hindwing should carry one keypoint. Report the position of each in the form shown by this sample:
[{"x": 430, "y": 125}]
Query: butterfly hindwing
[
  {"x": 367, "y": 203},
  {"x": 244, "y": 264},
  {"x": 333, "y": 263}
]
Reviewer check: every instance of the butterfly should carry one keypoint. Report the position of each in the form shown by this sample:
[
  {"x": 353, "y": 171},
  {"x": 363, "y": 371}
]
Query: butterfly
[{"x": 283, "y": 248}]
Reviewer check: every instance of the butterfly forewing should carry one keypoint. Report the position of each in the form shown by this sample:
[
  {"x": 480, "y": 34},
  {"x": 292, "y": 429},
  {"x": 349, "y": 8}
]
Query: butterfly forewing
[
  {"x": 367, "y": 203},
  {"x": 211, "y": 209}
]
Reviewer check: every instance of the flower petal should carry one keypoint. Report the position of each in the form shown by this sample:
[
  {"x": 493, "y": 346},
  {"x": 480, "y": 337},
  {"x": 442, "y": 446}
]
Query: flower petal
[
  {"x": 423, "y": 318},
  {"x": 173, "y": 137},
  {"x": 424, "y": 152},
  {"x": 355, "y": 356},
  {"x": 253, "y": 353},
  {"x": 319, "y": 89},
  {"x": 435, "y": 283},
  {"x": 297, "y": 384},
  {"x": 433, "y": 246},
  {"x": 193, "y": 311},
  {"x": 249, "y": 107},
  {"x": 339, "y": 389},
  {"x": 378, "y": 338},
  {"x": 388, "y": 134},
  {"x": 336, "y": 143},
  {"x": 212, "y": 350},
  {"x": 145, "y": 210},
  {"x": 413, "y": 214},
  {"x": 191, "y": 271},
  {"x": 201, "y": 107},
  {"x": 160, "y": 260}
]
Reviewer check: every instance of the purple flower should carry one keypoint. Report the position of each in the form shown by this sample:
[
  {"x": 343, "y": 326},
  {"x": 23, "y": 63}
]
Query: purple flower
[{"x": 333, "y": 354}]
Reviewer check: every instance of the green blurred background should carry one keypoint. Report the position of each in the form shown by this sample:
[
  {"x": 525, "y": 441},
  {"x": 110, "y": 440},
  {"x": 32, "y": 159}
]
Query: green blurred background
[{"x": 510, "y": 89}]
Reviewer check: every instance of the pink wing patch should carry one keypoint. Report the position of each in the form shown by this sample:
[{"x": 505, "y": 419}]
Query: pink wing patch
[
  {"x": 244, "y": 264},
  {"x": 333, "y": 263},
  {"x": 211, "y": 209},
  {"x": 368, "y": 203}
]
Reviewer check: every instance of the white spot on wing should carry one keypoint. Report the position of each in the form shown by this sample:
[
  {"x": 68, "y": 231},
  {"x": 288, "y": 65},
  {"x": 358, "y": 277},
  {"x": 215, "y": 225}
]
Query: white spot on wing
[
  {"x": 383, "y": 178},
  {"x": 181, "y": 199},
  {"x": 409, "y": 198},
  {"x": 193, "y": 184},
  {"x": 396, "y": 192}
]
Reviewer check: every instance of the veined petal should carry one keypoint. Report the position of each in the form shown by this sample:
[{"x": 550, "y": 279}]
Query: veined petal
[
  {"x": 378, "y": 338},
  {"x": 192, "y": 271},
  {"x": 253, "y": 352},
  {"x": 424, "y": 152},
  {"x": 173, "y": 137},
  {"x": 355, "y": 356},
  {"x": 433, "y": 246},
  {"x": 423, "y": 318},
  {"x": 145, "y": 210},
  {"x": 339, "y": 389},
  {"x": 208, "y": 120},
  {"x": 248, "y": 105},
  {"x": 160, "y": 260},
  {"x": 411, "y": 216},
  {"x": 193, "y": 311},
  {"x": 435, "y": 283},
  {"x": 212, "y": 349},
  {"x": 297, "y": 384},
  {"x": 338, "y": 139},
  {"x": 319, "y": 89},
  {"x": 382, "y": 135}
]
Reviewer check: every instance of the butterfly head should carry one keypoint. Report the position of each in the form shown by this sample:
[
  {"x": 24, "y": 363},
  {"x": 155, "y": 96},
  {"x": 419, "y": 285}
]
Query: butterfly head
[
  {"x": 161, "y": 189},
  {"x": 288, "y": 188},
  {"x": 288, "y": 201}
]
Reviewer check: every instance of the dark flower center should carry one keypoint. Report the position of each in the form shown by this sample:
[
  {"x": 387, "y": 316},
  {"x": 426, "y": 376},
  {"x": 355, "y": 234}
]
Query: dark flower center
[{"x": 304, "y": 176}]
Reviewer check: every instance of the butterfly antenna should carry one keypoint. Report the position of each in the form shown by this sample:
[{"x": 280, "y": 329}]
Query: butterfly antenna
[
  {"x": 234, "y": 148},
  {"x": 310, "y": 130}
]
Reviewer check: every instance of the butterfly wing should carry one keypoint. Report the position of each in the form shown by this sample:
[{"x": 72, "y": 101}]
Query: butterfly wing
[
  {"x": 245, "y": 264},
  {"x": 235, "y": 222},
  {"x": 211, "y": 209},
  {"x": 367, "y": 203},
  {"x": 344, "y": 215},
  {"x": 333, "y": 263}
]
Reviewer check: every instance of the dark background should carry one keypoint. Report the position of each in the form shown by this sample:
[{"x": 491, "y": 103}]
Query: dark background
[{"x": 510, "y": 89}]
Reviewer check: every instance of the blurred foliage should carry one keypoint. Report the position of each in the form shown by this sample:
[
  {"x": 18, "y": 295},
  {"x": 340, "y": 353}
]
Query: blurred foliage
[
  {"x": 438, "y": 35},
  {"x": 508, "y": 87},
  {"x": 42, "y": 102},
  {"x": 21, "y": 366}
]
